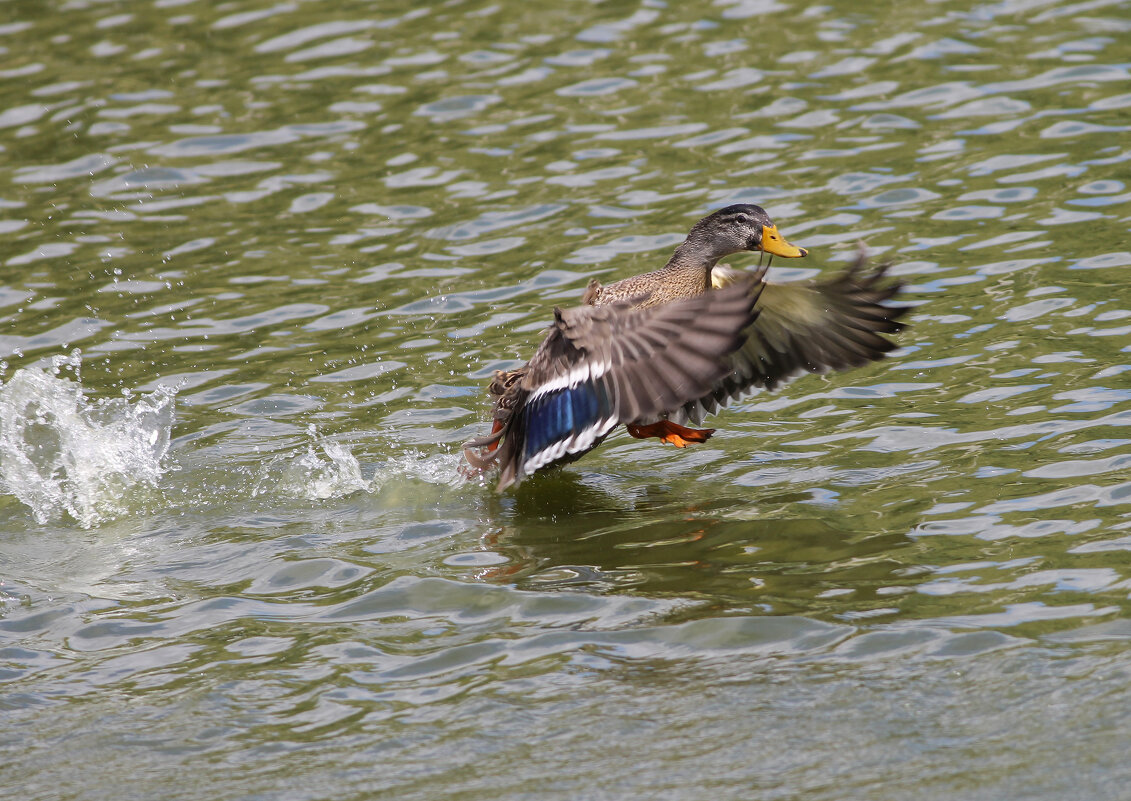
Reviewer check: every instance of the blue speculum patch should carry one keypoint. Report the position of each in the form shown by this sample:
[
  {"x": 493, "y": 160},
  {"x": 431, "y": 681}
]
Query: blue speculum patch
[{"x": 558, "y": 415}]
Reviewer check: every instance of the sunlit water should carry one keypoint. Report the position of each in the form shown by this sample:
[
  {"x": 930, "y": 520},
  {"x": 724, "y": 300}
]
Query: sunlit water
[{"x": 260, "y": 260}]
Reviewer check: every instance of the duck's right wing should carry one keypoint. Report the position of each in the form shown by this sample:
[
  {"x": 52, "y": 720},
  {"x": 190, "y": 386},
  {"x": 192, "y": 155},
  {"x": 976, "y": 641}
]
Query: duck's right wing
[{"x": 807, "y": 328}]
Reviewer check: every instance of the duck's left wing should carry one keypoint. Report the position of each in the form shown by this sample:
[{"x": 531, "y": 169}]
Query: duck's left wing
[{"x": 601, "y": 366}]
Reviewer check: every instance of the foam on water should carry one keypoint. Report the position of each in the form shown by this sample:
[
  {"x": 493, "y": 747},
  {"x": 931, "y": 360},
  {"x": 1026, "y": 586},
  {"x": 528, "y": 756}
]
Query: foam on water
[{"x": 63, "y": 454}]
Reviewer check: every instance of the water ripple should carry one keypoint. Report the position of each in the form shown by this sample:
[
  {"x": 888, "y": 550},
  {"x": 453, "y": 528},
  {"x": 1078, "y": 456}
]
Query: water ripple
[{"x": 328, "y": 228}]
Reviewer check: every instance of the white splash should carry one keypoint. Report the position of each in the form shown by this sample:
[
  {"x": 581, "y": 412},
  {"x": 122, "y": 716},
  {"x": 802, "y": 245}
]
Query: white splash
[
  {"x": 437, "y": 468},
  {"x": 326, "y": 469},
  {"x": 333, "y": 474},
  {"x": 63, "y": 454}
]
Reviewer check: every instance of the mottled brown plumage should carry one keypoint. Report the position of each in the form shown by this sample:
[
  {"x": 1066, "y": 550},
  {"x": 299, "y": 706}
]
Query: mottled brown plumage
[
  {"x": 688, "y": 272},
  {"x": 670, "y": 346}
]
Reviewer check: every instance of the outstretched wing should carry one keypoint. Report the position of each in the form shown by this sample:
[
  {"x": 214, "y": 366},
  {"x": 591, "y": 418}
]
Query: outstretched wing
[
  {"x": 600, "y": 366},
  {"x": 806, "y": 328}
]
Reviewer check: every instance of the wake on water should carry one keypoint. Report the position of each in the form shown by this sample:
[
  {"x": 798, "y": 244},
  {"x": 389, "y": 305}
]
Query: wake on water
[
  {"x": 336, "y": 472},
  {"x": 63, "y": 454}
]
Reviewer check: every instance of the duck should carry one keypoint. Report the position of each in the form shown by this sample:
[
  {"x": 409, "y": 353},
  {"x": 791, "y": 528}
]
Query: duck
[{"x": 659, "y": 351}]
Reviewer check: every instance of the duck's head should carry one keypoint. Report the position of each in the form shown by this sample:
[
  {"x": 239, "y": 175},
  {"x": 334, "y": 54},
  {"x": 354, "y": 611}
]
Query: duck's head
[{"x": 740, "y": 227}]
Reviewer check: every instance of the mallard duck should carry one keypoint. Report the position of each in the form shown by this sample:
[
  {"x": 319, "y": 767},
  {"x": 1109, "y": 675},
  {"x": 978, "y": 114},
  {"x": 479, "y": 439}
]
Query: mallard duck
[{"x": 668, "y": 347}]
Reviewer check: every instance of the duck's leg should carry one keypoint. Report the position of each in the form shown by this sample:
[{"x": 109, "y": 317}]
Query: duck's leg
[
  {"x": 476, "y": 463},
  {"x": 496, "y": 427},
  {"x": 667, "y": 431}
]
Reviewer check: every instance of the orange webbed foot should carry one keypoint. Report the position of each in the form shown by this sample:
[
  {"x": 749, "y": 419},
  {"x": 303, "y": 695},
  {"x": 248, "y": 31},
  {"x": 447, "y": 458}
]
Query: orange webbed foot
[{"x": 667, "y": 431}]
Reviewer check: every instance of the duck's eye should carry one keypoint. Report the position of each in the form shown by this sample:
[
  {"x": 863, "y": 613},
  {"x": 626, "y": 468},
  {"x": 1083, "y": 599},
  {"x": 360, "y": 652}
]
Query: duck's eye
[{"x": 743, "y": 219}]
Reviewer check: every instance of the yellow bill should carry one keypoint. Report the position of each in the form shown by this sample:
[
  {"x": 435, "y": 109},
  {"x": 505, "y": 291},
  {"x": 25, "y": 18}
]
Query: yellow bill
[{"x": 773, "y": 242}]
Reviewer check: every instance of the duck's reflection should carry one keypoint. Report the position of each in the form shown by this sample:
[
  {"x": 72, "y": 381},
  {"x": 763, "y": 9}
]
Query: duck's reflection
[{"x": 562, "y": 533}]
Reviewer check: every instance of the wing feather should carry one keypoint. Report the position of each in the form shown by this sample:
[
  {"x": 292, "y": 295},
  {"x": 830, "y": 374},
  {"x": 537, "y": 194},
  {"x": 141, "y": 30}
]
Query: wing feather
[
  {"x": 815, "y": 327},
  {"x": 601, "y": 366}
]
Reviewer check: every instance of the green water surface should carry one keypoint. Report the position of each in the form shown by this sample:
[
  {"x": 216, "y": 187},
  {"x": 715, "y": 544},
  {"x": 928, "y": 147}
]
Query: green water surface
[{"x": 325, "y": 224}]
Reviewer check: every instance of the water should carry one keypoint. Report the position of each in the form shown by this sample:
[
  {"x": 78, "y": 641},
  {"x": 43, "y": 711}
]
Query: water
[{"x": 261, "y": 259}]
